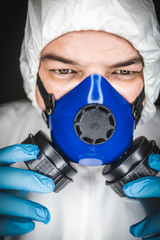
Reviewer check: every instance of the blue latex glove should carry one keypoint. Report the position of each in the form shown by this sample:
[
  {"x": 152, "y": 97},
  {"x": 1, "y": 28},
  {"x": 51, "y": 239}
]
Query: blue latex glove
[
  {"x": 17, "y": 213},
  {"x": 146, "y": 187}
]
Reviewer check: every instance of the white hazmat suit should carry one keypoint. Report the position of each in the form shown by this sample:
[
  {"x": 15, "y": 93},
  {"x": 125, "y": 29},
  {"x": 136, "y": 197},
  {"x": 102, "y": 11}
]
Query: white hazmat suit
[{"x": 86, "y": 209}]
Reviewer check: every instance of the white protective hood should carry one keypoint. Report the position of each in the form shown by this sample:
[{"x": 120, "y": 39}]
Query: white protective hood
[{"x": 134, "y": 20}]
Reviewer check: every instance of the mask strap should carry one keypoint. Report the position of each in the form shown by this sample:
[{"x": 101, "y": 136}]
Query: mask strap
[
  {"x": 47, "y": 98},
  {"x": 137, "y": 106}
]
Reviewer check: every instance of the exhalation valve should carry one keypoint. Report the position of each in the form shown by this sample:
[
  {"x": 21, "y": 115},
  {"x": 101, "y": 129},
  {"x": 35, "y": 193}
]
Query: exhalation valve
[{"x": 94, "y": 124}]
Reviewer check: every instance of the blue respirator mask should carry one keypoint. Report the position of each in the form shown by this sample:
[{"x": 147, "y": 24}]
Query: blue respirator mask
[{"x": 91, "y": 125}]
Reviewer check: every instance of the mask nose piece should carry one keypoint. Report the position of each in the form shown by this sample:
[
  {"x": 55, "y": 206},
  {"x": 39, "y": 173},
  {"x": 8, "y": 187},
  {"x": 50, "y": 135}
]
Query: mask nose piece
[{"x": 95, "y": 92}]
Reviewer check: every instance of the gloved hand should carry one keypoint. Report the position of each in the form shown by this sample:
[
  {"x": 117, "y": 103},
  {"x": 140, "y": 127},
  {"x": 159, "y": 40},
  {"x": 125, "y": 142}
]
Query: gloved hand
[
  {"x": 146, "y": 187},
  {"x": 17, "y": 213}
]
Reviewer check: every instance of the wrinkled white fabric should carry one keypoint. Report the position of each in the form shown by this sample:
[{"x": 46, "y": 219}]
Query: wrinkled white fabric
[
  {"x": 86, "y": 209},
  {"x": 133, "y": 20}
]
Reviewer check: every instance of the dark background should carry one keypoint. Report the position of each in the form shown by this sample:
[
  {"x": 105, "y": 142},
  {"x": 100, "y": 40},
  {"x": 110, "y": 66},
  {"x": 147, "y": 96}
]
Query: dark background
[{"x": 13, "y": 19}]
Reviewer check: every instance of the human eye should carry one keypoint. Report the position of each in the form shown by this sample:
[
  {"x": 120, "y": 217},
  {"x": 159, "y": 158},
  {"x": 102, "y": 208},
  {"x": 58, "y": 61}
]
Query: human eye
[
  {"x": 63, "y": 71},
  {"x": 124, "y": 72}
]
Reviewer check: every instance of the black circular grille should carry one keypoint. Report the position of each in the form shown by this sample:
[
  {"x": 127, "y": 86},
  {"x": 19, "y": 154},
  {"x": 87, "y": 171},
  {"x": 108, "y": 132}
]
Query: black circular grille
[{"x": 94, "y": 124}]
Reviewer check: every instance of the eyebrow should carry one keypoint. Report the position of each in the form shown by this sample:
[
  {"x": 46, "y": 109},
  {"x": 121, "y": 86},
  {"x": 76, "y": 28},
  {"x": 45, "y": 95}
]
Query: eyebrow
[
  {"x": 129, "y": 62},
  {"x": 54, "y": 57}
]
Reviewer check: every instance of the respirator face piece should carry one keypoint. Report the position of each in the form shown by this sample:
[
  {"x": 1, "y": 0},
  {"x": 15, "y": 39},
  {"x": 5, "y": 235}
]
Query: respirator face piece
[{"x": 92, "y": 124}]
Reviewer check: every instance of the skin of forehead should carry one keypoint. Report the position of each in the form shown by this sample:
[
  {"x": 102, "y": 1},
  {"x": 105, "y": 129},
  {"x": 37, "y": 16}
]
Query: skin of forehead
[{"x": 84, "y": 53}]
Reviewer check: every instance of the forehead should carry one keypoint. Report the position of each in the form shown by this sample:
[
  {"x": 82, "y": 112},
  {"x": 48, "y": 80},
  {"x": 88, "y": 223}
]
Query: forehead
[{"x": 85, "y": 45}]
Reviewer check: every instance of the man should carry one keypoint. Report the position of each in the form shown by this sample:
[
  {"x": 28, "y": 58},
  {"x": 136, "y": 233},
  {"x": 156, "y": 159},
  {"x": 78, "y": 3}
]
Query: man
[{"x": 65, "y": 43}]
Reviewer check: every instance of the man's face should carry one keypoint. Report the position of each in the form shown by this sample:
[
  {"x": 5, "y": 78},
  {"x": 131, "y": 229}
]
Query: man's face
[{"x": 69, "y": 59}]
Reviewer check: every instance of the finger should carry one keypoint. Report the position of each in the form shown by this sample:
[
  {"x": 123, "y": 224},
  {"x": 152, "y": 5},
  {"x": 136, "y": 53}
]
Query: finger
[
  {"x": 25, "y": 180},
  {"x": 143, "y": 187},
  {"x": 154, "y": 161},
  {"x": 15, "y": 206},
  {"x": 17, "y": 153},
  {"x": 147, "y": 227},
  {"x": 10, "y": 226}
]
